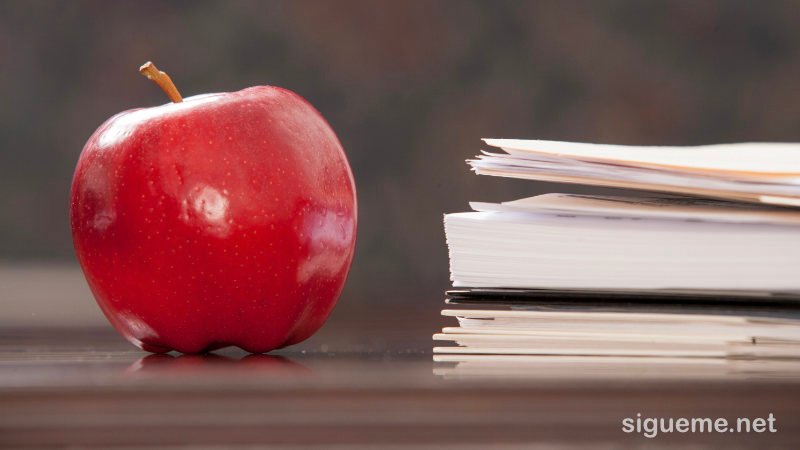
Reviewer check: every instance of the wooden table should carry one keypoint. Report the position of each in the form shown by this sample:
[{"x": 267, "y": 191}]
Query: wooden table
[{"x": 366, "y": 381}]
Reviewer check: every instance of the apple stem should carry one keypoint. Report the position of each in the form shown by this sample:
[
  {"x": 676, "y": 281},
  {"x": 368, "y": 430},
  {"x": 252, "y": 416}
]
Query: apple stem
[{"x": 163, "y": 81}]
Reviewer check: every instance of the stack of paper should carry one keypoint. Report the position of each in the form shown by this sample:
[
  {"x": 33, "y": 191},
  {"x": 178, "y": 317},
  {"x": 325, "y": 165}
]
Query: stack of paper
[
  {"x": 581, "y": 329},
  {"x": 563, "y": 241},
  {"x": 752, "y": 172},
  {"x": 700, "y": 233}
]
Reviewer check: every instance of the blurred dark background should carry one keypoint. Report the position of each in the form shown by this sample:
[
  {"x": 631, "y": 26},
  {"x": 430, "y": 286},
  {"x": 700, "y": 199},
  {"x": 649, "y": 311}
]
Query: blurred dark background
[{"x": 409, "y": 86}]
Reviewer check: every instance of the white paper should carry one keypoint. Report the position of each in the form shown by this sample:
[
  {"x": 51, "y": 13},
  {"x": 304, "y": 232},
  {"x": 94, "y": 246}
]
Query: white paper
[
  {"x": 760, "y": 173},
  {"x": 652, "y": 206},
  {"x": 777, "y": 159}
]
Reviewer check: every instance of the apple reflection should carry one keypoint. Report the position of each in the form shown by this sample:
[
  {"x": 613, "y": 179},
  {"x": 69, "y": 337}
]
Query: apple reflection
[{"x": 215, "y": 364}]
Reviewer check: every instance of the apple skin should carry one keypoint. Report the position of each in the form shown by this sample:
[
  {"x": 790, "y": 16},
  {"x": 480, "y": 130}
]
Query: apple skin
[{"x": 227, "y": 219}]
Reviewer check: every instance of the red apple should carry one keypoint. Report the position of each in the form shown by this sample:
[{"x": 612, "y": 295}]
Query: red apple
[{"x": 218, "y": 220}]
